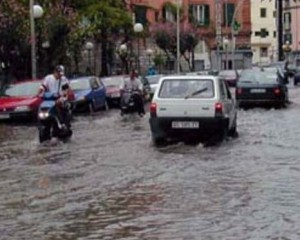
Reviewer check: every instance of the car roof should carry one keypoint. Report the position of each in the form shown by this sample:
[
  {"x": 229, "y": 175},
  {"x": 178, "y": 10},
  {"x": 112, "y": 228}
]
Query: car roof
[
  {"x": 82, "y": 78},
  {"x": 189, "y": 77}
]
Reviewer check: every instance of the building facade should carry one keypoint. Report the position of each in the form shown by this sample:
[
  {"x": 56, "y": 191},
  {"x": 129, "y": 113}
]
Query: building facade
[
  {"x": 264, "y": 33},
  {"x": 224, "y": 28},
  {"x": 291, "y": 36}
]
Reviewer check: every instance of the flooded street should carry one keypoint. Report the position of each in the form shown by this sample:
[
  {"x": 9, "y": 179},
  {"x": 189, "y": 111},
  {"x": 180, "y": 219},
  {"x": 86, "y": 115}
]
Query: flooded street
[{"x": 110, "y": 183}]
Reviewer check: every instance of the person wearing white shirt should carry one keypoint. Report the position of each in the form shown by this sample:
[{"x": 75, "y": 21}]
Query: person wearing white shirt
[{"x": 135, "y": 84}]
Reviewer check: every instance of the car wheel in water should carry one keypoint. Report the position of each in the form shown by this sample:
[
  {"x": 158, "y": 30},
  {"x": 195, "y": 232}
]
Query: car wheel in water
[
  {"x": 44, "y": 133},
  {"x": 233, "y": 132},
  {"x": 92, "y": 108},
  {"x": 158, "y": 141},
  {"x": 106, "y": 106}
]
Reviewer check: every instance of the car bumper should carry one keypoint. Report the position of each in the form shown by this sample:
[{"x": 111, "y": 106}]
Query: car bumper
[
  {"x": 18, "y": 115},
  {"x": 113, "y": 101},
  {"x": 260, "y": 102},
  {"x": 162, "y": 127}
]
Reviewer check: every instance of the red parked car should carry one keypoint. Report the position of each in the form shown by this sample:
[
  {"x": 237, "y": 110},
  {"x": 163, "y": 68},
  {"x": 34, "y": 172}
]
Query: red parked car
[{"x": 19, "y": 100}]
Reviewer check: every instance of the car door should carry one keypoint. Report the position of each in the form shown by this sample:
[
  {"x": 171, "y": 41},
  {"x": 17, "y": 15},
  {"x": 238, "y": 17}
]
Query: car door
[
  {"x": 102, "y": 91},
  {"x": 228, "y": 101},
  {"x": 96, "y": 92}
]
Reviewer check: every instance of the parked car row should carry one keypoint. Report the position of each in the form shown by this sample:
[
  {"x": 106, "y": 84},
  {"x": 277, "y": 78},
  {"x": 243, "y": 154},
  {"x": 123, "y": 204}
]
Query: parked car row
[{"x": 20, "y": 100}]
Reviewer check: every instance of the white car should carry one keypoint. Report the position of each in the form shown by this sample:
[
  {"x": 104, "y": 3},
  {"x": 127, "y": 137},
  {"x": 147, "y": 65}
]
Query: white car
[
  {"x": 192, "y": 106},
  {"x": 153, "y": 82}
]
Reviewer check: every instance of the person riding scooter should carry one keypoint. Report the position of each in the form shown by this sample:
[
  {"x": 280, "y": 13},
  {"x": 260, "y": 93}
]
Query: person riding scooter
[
  {"x": 57, "y": 84},
  {"x": 135, "y": 85}
]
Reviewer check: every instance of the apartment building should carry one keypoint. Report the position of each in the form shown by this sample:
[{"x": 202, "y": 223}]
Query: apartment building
[
  {"x": 214, "y": 23},
  {"x": 291, "y": 31},
  {"x": 264, "y": 33}
]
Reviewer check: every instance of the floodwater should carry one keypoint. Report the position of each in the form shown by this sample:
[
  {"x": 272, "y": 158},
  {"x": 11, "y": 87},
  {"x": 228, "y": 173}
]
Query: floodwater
[{"x": 109, "y": 182}]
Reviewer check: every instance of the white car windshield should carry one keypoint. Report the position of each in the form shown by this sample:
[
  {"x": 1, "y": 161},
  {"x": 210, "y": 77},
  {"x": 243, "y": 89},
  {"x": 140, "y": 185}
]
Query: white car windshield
[{"x": 187, "y": 88}]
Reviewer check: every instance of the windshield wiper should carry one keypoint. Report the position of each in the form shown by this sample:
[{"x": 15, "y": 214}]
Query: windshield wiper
[{"x": 196, "y": 93}]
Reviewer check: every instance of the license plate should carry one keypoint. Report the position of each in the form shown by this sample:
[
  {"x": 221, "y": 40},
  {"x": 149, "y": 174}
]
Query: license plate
[
  {"x": 4, "y": 116},
  {"x": 258, "y": 90},
  {"x": 185, "y": 124},
  {"x": 115, "y": 95}
]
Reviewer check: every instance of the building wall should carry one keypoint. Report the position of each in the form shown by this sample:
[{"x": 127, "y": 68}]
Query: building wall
[
  {"x": 295, "y": 31},
  {"x": 258, "y": 43},
  {"x": 208, "y": 34}
]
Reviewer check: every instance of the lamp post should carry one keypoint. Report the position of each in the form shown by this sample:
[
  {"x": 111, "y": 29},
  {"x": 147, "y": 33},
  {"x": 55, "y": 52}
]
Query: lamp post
[
  {"x": 123, "y": 55},
  {"x": 36, "y": 11},
  {"x": 225, "y": 45},
  {"x": 149, "y": 52},
  {"x": 178, "y": 38},
  {"x": 89, "y": 47},
  {"x": 234, "y": 32},
  {"x": 287, "y": 49},
  {"x": 138, "y": 28}
]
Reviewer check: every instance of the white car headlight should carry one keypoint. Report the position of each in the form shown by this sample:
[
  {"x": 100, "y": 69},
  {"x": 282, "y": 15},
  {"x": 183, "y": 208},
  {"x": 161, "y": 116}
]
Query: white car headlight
[
  {"x": 22, "y": 109},
  {"x": 43, "y": 115}
]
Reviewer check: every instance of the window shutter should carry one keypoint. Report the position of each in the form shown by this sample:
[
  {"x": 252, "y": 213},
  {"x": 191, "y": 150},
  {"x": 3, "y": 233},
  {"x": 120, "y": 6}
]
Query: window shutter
[
  {"x": 191, "y": 17},
  {"x": 206, "y": 15},
  {"x": 230, "y": 14}
]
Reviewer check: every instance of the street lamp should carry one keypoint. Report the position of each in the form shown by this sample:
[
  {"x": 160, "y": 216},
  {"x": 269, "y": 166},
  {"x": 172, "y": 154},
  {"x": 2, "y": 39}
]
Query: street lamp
[
  {"x": 89, "y": 47},
  {"x": 225, "y": 44},
  {"x": 149, "y": 52},
  {"x": 123, "y": 55},
  {"x": 138, "y": 28},
  {"x": 287, "y": 49},
  {"x": 178, "y": 38},
  {"x": 36, "y": 11}
]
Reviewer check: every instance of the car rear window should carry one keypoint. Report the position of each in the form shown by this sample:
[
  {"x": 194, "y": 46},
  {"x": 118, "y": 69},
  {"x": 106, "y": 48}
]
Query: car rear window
[
  {"x": 187, "y": 88},
  {"x": 258, "y": 77}
]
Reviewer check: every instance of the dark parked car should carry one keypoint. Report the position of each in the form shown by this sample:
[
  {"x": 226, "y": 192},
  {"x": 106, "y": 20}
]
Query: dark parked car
[
  {"x": 297, "y": 76},
  {"x": 260, "y": 87},
  {"x": 229, "y": 76}
]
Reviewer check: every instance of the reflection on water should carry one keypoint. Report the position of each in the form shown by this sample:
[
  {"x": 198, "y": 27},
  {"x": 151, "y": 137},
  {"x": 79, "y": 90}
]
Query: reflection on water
[{"x": 109, "y": 182}]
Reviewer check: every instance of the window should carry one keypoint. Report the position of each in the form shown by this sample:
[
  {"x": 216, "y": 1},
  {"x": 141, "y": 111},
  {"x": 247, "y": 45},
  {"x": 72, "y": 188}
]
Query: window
[
  {"x": 287, "y": 19},
  {"x": 264, "y": 33},
  {"x": 274, "y": 14},
  {"x": 274, "y": 34},
  {"x": 287, "y": 38},
  {"x": 94, "y": 83},
  {"x": 199, "y": 14},
  {"x": 222, "y": 90},
  {"x": 228, "y": 12},
  {"x": 263, "y": 12},
  {"x": 140, "y": 15},
  {"x": 263, "y": 52},
  {"x": 156, "y": 16},
  {"x": 168, "y": 15},
  {"x": 257, "y": 34},
  {"x": 187, "y": 88}
]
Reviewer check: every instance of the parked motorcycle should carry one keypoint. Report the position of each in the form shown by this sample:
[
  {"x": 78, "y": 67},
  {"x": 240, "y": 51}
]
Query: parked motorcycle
[
  {"x": 54, "y": 121},
  {"x": 128, "y": 102}
]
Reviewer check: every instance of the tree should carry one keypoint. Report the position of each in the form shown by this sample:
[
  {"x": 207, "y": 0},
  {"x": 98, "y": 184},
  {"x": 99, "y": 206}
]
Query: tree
[
  {"x": 56, "y": 26},
  {"x": 165, "y": 37},
  {"x": 105, "y": 21}
]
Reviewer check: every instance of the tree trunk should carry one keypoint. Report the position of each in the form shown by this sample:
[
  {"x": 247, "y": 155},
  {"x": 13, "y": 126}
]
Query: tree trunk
[{"x": 104, "y": 53}]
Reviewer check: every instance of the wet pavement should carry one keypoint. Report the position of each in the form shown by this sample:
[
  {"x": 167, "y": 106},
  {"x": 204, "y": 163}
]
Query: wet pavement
[{"x": 110, "y": 183}]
